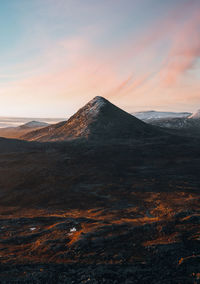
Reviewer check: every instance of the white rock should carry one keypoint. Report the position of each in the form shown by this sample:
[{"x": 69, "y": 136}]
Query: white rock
[
  {"x": 73, "y": 229},
  {"x": 32, "y": 229}
]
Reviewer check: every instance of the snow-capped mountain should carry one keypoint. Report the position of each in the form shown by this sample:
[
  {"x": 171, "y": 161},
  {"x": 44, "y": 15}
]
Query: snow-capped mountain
[
  {"x": 190, "y": 123},
  {"x": 98, "y": 119},
  {"x": 154, "y": 115}
]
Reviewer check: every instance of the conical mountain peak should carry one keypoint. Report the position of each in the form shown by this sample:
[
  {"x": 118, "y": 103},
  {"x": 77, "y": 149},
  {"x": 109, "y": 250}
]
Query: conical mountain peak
[
  {"x": 98, "y": 119},
  {"x": 98, "y": 100},
  {"x": 93, "y": 107}
]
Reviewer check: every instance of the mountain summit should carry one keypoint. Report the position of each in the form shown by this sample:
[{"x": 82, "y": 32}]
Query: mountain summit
[{"x": 98, "y": 119}]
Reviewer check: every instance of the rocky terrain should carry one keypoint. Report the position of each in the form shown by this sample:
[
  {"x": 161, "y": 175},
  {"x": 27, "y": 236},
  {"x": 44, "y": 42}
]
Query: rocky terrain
[{"x": 101, "y": 208}]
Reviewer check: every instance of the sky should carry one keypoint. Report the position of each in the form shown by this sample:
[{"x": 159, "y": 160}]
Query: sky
[{"x": 56, "y": 55}]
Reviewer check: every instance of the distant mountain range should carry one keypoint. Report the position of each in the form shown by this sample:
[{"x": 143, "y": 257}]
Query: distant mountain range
[
  {"x": 98, "y": 119},
  {"x": 191, "y": 123},
  {"x": 155, "y": 115}
]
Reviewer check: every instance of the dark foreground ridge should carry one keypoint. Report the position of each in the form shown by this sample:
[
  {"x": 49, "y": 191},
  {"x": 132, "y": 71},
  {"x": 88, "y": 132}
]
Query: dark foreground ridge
[{"x": 99, "y": 119}]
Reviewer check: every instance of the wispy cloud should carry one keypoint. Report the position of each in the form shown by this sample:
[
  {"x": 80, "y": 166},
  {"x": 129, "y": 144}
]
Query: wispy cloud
[
  {"x": 184, "y": 50},
  {"x": 96, "y": 55}
]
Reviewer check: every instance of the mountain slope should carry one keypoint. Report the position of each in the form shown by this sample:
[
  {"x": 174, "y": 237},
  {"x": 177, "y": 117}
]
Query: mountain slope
[{"x": 98, "y": 119}]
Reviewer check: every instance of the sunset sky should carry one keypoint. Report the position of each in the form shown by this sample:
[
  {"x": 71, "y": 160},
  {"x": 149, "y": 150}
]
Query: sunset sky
[{"x": 55, "y": 55}]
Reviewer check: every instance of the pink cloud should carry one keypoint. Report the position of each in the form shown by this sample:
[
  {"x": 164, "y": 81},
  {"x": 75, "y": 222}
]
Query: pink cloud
[
  {"x": 184, "y": 51},
  {"x": 74, "y": 70},
  {"x": 160, "y": 29}
]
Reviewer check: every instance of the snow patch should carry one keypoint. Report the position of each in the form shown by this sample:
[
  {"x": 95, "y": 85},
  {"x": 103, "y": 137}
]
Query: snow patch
[
  {"x": 95, "y": 105},
  {"x": 154, "y": 115},
  {"x": 33, "y": 228},
  {"x": 73, "y": 229}
]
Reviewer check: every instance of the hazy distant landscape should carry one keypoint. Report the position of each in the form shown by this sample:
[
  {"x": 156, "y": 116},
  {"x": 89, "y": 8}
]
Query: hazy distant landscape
[{"x": 17, "y": 121}]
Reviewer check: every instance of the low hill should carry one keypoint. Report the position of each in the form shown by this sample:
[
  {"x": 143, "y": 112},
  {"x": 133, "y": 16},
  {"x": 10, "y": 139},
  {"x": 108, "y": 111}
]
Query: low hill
[{"x": 16, "y": 132}]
